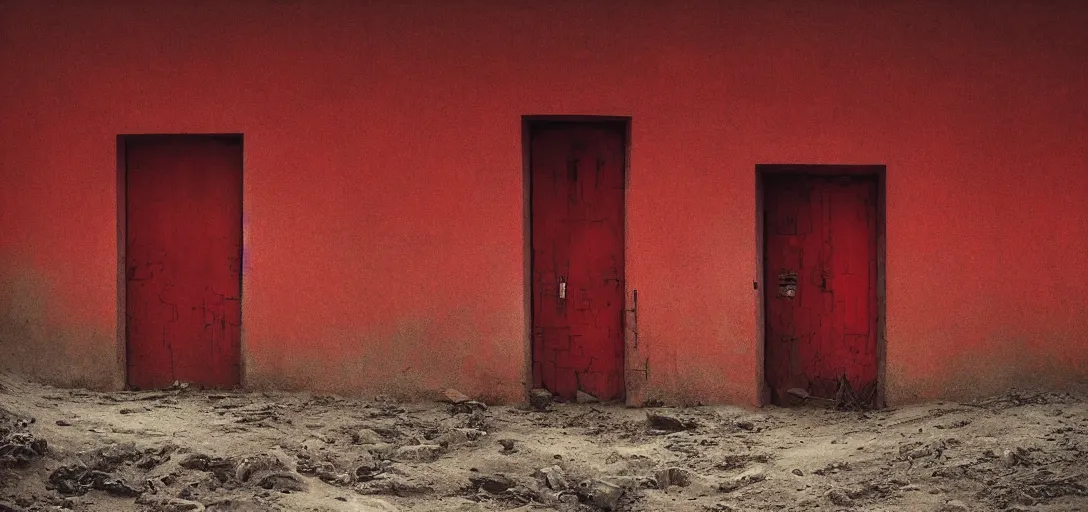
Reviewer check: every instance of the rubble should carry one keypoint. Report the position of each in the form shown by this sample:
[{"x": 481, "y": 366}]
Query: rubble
[
  {"x": 304, "y": 452},
  {"x": 18, "y": 446},
  {"x": 601, "y": 494},
  {"x": 582, "y": 397},
  {"x": 540, "y": 399},
  {"x": 666, "y": 423},
  {"x": 493, "y": 484},
  {"x": 554, "y": 478}
]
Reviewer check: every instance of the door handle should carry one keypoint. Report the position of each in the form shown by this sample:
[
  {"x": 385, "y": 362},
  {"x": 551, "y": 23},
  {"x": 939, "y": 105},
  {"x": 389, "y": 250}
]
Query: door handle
[{"x": 562, "y": 288}]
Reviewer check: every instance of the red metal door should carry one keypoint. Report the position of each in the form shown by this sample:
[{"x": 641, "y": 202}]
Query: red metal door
[
  {"x": 183, "y": 260},
  {"x": 577, "y": 188},
  {"x": 820, "y": 283}
]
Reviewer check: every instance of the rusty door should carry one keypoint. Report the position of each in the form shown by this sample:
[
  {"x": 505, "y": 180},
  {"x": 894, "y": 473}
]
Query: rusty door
[
  {"x": 183, "y": 260},
  {"x": 577, "y": 186},
  {"x": 820, "y": 284}
]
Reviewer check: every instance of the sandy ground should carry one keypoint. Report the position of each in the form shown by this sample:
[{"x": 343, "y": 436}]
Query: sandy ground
[{"x": 183, "y": 450}]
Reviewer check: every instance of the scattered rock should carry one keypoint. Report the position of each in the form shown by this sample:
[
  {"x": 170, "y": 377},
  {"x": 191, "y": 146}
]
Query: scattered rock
[
  {"x": 673, "y": 476},
  {"x": 156, "y": 458},
  {"x": 164, "y": 504},
  {"x": 666, "y": 423},
  {"x": 630, "y": 483},
  {"x": 840, "y": 497},
  {"x": 953, "y": 506},
  {"x": 393, "y": 485},
  {"x": 737, "y": 461},
  {"x": 455, "y": 397},
  {"x": 368, "y": 471},
  {"x": 507, "y": 445},
  {"x": 419, "y": 453},
  {"x": 540, "y": 399},
  {"x": 366, "y": 436},
  {"x": 268, "y": 471},
  {"x": 281, "y": 481},
  {"x": 63, "y": 423},
  {"x": 77, "y": 479},
  {"x": 223, "y": 469},
  {"x": 585, "y": 398},
  {"x": 744, "y": 425},
  {"x": 1013, "y": 457},
  {"x": 554, "y": 478},
  {"x": 601, "y": 494},
  {"x": 742, "y": 481},
  {"x": 833, "y": 468},
  {"x": 798, "y": 472},
  {"x": 468, "y": 407},
  {"x": 493, "y": 484},
  {"x": 459, "y": 436}
]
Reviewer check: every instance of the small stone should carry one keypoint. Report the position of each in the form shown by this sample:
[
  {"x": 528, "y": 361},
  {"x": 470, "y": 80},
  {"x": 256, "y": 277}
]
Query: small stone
[
  {"x": 540, "y": 399},
  {"x": 507, "y": 445},
  {"x": 553, "y": 478},
  {"x": 164, "y": 504},
  {"x": 602, "y": 494},
  {"x": 419, "y": 453},
  {"x": 366, "y": 436},
  {"x": 585, "y": 398},
  {"x": 251, "y": 466},
  {"x": 180, "y": 505},
  {"x": 840, "y": 497},
  {"x": 455, "y": 397},
  {"x": 282, "y": 481},
  {"x": 454, "y": 437},
  {"x": 745, "y": 425},
  {"x": 742, "y": 481},
  {"x": 668, "y": 423},
  {"x": 62, "y": 423},
  {"x": 381, "y": 450},
  {"x": 953, "y": 506},
  {"x": 493, "y": 484},
  {"x": 673, "y": 476},
  {"x": 1009, "y": 458},
  {"x": 128, "y": 411},
  {"x": 798, "y": 472}
]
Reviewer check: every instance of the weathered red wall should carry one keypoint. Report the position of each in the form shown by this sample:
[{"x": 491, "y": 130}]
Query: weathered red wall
[{"x": 383, "y": 185}]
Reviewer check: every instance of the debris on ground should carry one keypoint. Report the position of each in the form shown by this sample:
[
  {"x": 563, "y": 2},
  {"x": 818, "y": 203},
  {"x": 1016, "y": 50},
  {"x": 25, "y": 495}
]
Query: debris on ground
[
  {"x": 18, "y": 446},
  {"x": 582, "y": 397},
  {"x": 666, "y": 423},
  {"x": 540, "y": 399},
  {"x": 183, "y": 449}
]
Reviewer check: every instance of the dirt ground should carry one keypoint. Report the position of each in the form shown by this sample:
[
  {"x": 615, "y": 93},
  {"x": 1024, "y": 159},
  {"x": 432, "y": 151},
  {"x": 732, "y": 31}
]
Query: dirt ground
[{"x": 185, "y": 450}]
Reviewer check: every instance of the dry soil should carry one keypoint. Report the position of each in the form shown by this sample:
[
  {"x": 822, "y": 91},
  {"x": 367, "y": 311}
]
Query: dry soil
[{"x": 182, "y": 450}]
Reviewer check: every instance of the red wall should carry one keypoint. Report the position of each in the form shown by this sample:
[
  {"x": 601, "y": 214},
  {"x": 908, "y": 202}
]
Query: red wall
[{"x": 383, "y": 177}]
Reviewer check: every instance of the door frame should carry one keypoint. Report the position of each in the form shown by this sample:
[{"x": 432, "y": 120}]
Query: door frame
[
  {"x": 122, "y": 243},
  {"x": 528, "y": 124},
  {"x": 877, "y": 171}
]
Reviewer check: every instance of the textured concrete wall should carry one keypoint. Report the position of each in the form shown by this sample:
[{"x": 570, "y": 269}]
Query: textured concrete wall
[{"x": 383, "y": 192}]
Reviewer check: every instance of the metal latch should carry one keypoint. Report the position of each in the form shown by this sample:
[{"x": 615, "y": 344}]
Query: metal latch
[{"x": 787, "y": 284}]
